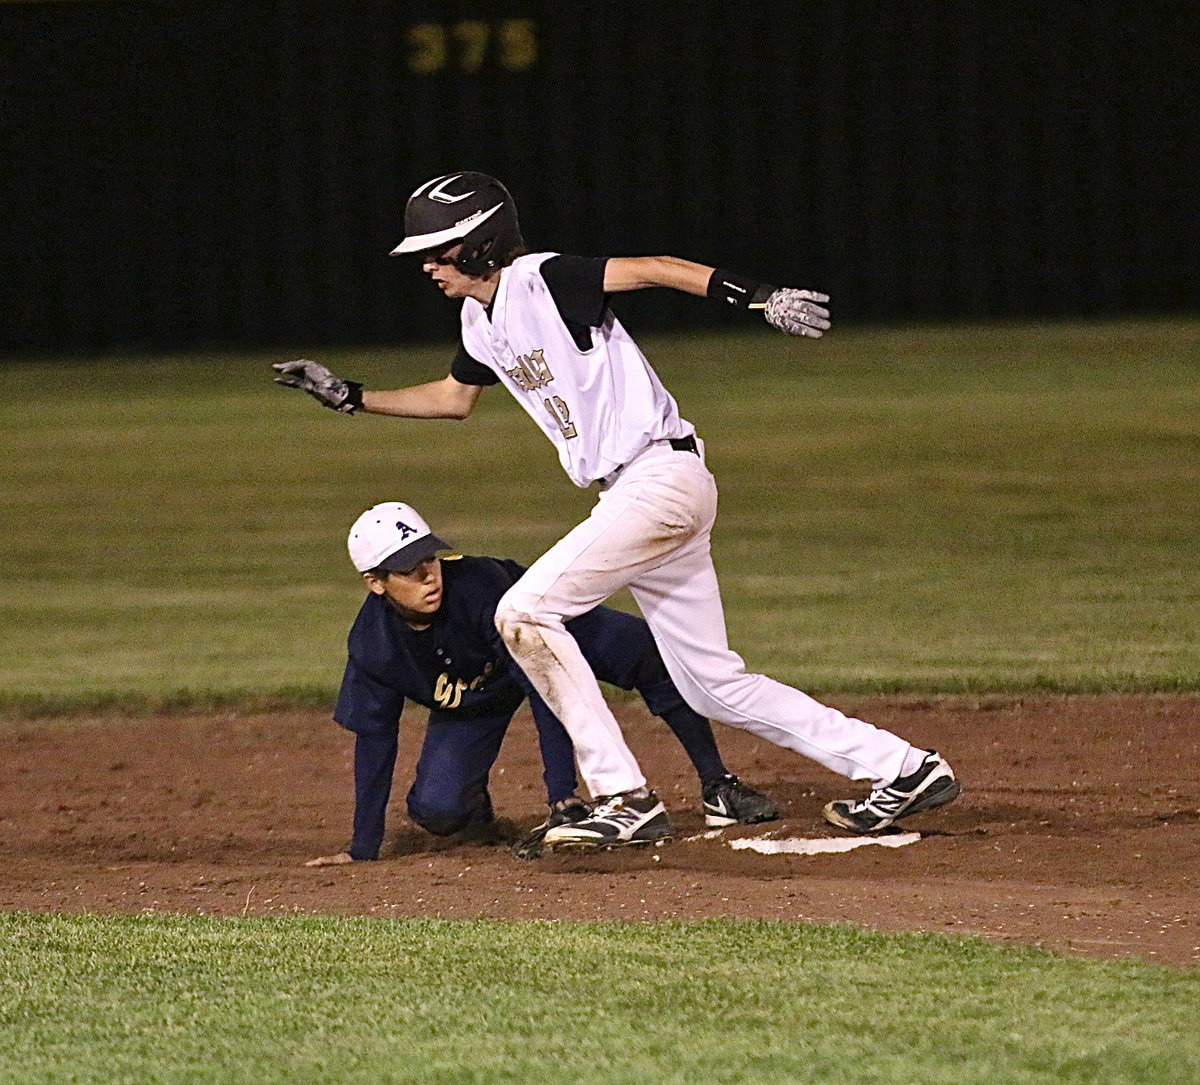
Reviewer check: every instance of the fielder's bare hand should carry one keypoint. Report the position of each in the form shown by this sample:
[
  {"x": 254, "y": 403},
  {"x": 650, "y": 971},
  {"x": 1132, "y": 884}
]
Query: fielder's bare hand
[
  {"x": 340, "y": 859},
  {"x": 326, "y": 388},
  {"x": 797, "y": 312}
]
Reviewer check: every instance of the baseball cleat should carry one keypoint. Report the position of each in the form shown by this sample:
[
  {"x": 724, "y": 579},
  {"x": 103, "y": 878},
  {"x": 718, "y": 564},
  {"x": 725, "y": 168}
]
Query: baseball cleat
[
  {"x": 616, "y": 821},
  {"x": 566, "y": 811},
  {"x": 728, "y": 801},
  {"x": 932, "y": 785}
]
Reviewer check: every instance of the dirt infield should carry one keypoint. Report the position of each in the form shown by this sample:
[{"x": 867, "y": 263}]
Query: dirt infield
[{"x": 1079, "y": 828}]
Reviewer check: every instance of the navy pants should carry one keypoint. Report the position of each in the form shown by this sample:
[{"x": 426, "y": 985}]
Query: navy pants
[{"x": 449, "y": 792}]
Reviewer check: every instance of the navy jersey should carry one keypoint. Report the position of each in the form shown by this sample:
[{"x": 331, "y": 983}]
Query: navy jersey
[
  {"x": 458, "y": 665},
  {"x": 460, "y": 669}
]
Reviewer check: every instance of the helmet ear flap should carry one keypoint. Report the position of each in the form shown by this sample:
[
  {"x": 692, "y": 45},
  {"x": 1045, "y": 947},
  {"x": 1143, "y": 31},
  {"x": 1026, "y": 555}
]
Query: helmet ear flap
[
  {"x": 472, "y": 260},
  {"x": 500, "y": 242}
]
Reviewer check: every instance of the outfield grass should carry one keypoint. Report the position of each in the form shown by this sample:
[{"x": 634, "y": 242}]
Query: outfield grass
[
  {"x": 989, "y": 508},
  {"x": 175, "y": 999}
]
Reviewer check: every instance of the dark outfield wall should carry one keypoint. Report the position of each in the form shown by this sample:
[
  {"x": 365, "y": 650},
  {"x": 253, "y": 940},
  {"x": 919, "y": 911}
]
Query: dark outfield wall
[{"x": 235, "y": 172}]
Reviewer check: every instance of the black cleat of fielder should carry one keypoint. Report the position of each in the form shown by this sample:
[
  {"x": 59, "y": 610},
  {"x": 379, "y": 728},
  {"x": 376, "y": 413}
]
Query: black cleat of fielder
[
  {"x": 728, "y": 801},
  {"x": 568, "y": 811}
]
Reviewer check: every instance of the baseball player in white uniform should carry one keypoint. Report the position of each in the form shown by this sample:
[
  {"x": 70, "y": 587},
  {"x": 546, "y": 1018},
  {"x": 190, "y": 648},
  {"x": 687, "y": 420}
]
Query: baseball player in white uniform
[{"x": 540, "y": 324}]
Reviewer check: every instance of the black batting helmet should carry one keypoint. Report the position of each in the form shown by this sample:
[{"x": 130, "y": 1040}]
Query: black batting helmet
[{"x": 469, "y": 207}]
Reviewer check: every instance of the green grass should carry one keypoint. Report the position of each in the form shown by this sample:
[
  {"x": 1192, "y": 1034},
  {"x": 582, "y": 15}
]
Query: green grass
[
  {"x": 174, "y": 999},
  {"x": 982, "y": 508}
]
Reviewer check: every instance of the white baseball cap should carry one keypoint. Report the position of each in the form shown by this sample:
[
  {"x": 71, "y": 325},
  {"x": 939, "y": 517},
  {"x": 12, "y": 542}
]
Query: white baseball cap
[{"x": 392, "y": 536}]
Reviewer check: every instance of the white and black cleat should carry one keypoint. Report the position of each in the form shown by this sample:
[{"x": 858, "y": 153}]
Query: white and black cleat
[
  {"x": 932, "y": 785},
  {"x": 616, "y": 821}
]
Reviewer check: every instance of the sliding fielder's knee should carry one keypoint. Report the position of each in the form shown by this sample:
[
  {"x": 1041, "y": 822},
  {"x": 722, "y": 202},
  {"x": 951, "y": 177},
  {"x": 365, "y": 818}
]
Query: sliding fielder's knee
[
  {"x": 445, "y": 813},
  {"x": 440, "y": 823}
]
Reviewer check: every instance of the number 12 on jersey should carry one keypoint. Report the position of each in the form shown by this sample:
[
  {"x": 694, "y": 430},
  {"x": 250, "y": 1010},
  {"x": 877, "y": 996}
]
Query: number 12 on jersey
[{"x": 561, "y": 414}]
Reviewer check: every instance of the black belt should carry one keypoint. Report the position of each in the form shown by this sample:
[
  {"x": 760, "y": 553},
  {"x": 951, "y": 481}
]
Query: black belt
[{"x": 679, "y": 444}]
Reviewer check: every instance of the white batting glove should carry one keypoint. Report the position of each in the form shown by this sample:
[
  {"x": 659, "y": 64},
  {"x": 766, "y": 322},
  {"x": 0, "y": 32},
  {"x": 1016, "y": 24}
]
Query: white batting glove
[
  {"x": 797, "y": 312},
  {"x": 328, "y": 390}
]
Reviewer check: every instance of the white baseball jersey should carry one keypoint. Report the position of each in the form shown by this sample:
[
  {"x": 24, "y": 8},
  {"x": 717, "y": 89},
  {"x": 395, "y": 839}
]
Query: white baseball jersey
[
  {"x": 593, "y": 394},
  {"x": 550, "y": 337}
]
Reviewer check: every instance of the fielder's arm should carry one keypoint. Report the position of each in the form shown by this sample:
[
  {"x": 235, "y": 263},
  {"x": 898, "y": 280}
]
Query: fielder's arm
[{"x": 797, "y": 312}]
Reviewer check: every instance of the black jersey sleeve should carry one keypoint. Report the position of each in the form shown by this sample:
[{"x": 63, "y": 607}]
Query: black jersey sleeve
[
  {"x": 576, "y": 283},
  {"x": 468, "y": 370}
]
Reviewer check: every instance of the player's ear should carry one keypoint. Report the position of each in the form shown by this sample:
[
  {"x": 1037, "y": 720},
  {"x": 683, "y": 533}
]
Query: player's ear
[{"x": 374, "y": 584}]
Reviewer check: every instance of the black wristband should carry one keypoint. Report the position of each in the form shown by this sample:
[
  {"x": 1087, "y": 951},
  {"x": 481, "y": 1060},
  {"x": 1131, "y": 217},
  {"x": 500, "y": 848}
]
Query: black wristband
[
  {"x": 353, "y": 400},
  {"x": 737, "y": 290}
]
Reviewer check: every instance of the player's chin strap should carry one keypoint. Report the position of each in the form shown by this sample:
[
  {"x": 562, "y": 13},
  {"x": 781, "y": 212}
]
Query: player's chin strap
[{"x": 796, "y": 312}]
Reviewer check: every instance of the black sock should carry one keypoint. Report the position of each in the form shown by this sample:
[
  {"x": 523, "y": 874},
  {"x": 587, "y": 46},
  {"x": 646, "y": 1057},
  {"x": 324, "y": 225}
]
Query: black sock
[{"x": 695, "y": 734}]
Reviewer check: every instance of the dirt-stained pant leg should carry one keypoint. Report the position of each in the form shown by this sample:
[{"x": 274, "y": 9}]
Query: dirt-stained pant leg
[
  {"x": 650, "y": 532},
  {"x": 634, "y": 526}
]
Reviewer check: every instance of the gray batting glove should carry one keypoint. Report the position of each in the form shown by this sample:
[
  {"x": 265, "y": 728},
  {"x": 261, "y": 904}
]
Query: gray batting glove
[
  {"x": 321, "y": 384},
  {"x": 796, "y": 312}
]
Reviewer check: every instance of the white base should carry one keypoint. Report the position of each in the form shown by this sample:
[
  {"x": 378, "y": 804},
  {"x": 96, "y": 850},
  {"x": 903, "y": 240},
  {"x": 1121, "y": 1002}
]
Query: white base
[{"x": 824, "y": 844}]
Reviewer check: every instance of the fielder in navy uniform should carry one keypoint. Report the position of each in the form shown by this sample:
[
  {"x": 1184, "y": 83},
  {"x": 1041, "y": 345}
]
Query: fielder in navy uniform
[
  {"x": 427, "y": 633},
  {"x": 541, "y": 325}
]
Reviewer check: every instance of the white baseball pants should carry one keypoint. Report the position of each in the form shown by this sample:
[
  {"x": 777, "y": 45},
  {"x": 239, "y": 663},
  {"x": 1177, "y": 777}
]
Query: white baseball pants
[{"x": 650, "y": 532}]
